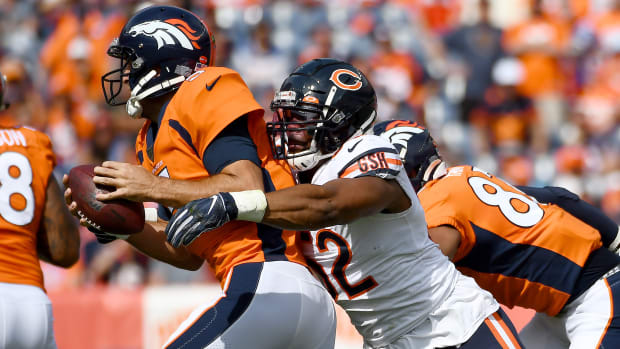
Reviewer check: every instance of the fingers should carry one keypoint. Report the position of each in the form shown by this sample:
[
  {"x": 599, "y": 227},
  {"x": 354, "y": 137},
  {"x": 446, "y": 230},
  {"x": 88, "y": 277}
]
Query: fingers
[
  {"x": 67, "y": 195},
  {"x": 117, "y": 194},
  {"x": 173, "y": 233},
  {"x": 112, "y": 165},
  {"x": 84, "y": 222},
  {"x": 106, "y": 171},
  {"x": 65, "y": 180},
  {"x": 72, "y": 205},
  {"x": 109, "y": 181}
]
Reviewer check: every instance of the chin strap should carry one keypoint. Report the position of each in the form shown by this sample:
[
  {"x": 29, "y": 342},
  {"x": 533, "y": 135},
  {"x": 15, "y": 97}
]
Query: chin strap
[{"x": 133, "y": 106}]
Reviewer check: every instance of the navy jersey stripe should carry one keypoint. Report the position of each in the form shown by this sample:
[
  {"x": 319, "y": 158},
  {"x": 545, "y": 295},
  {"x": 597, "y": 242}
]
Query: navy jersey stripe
[
  {"x": 213, "y": 322},
  {"x": 273, "y": 245},
  {"x": 598, "y": 264},
  {"x": 151, "y": 132},
  {"x": 496, "y": 255},
  {"x": 183, "y": 133},
  {"x": 140, "y": 157},
  {"x": 234, "y": 143},
  {"x": 366, "y": 153}
]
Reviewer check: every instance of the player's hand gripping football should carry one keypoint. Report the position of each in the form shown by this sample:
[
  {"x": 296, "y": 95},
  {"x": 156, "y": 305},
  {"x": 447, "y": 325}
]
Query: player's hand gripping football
[
  {"x": 200, "y": 216},
  {"x": 132, "y": 182},
  {"x": 102, "y": 236}
]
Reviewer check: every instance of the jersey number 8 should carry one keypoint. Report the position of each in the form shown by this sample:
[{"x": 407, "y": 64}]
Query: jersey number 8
[
  {"x": 16, "y": 180},
  {"x": 503, "y": 199}
]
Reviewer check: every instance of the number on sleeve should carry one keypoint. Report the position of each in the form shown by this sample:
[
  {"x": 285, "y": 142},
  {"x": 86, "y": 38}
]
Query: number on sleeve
[
  {"x": 16, "y": 179},
  {"x": 502, "y": 199}
]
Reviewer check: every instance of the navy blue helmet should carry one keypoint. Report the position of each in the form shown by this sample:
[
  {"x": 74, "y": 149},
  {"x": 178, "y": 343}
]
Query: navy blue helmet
[
  {"x": 331, "y": 100},
  {"x": 158, "y": 48}
]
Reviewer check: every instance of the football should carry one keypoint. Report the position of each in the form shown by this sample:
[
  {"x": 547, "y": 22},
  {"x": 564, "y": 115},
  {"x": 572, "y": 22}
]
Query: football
[{"x": 115, "y": 216}]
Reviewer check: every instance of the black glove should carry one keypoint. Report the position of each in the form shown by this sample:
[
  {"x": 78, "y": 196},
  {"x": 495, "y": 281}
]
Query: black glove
[
  {"x": 102, "y": 236},
  {"x": 200, "y": 216}
]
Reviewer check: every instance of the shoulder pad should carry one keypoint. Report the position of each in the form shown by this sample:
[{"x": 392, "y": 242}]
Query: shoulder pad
[{"x": 367, "y": 156}]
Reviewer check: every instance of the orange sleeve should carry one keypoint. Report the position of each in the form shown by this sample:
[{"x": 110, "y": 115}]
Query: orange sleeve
[
  {"x": 208, "y": 111},
  {"x": 467, "y": 240},
  {"x": 440, "y": 202}
]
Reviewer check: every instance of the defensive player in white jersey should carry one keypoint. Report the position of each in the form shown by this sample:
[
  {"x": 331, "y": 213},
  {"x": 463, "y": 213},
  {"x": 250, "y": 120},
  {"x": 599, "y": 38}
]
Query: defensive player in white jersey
[{"x": 368, "y": 240}]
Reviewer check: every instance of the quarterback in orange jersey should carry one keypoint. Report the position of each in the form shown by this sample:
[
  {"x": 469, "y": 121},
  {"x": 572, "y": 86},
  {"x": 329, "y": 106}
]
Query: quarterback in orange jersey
[
  {"x": 527, "y": 253},
  {"x": 204, "y": 133},
  {"x": 34, "y": 225}
]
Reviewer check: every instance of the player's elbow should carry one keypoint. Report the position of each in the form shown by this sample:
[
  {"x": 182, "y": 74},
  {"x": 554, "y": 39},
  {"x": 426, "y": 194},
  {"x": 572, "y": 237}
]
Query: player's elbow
[{"x": 67, "y": 259}]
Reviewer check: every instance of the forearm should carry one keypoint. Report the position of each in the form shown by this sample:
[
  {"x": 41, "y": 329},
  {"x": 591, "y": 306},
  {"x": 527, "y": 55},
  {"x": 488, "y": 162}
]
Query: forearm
[
  {"x": 238, "y": 176},
  {"x": 58, "y": 239},
  {"x": 304, "y": 206},
  {"x": 301, "y": 207},
  {"x": 176, "y": 193},
  {"x": 152, "y": 242},
  {"x": 340, "y": 201}
]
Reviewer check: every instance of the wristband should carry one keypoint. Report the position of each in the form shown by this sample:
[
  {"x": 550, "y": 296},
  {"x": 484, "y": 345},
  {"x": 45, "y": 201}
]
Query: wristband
[
  {"x": 150, "y": 214},
  {"x": 251, "y": 205}
]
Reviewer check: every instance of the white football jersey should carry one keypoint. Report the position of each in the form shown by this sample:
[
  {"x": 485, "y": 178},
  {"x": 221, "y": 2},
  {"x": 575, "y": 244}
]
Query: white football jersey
[{"x": 382, "y": 269}]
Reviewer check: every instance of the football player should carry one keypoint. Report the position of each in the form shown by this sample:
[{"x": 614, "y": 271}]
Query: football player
[
  {"x": 204, "y": 133},
  {"x": 522, "y": 245},
  {"x": 367, "y": 237},
  {"x": 35, "y": 225}
]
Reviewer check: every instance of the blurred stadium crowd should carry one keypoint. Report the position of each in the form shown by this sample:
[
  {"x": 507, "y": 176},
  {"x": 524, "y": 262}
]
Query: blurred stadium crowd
[{"x": 527, "y": 89}]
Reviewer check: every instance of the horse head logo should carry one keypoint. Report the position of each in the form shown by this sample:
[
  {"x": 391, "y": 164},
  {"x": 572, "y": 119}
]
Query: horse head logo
[{"x": 168, "y": 32}]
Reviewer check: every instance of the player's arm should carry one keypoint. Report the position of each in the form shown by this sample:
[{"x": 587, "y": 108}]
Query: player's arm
[
  {"x": 304, "y": 206},
  {"x": 448, "y": 239},
  {"x": 231, "y": 159},
  {"x": 58, "y": 240},
  {"x": 571, "y": 203},
  {"x": 152, "y": 242},
  {"x": 340, "y": 201}
]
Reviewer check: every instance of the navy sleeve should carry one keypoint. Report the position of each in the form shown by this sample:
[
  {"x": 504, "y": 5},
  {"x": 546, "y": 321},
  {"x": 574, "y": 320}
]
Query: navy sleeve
[
  {"x": 572, "y": 204},
  {"x": 232, "y": 144}
]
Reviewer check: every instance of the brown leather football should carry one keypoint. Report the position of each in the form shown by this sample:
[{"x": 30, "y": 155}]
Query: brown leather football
[{"x": 118, "y": 216}]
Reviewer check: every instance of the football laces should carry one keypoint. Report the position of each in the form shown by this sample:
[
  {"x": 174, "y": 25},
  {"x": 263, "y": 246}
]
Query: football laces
[{"x": 88, "y": 220}]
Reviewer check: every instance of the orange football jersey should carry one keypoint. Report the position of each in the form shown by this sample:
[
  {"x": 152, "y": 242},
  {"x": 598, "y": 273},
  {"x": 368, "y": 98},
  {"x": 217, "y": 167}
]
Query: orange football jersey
[
  {"x": 525, "y": 253},
  {"x": 203, "y": 106},
  {"x": 26, "y": 163}
]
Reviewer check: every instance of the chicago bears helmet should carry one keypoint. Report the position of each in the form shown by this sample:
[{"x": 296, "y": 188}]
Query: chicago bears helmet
[
  {"x": 330, "y": 100},
  {"x": 416, "y": 147},
  {"x": 158, "y": 48}
]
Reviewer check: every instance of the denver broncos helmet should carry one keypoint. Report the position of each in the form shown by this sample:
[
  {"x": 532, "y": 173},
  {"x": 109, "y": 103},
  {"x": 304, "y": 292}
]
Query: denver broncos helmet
[
  {"x": 416, "y": 147},
  {"x": 158, "y": 48},
  {"x": 330, "y": 100}
]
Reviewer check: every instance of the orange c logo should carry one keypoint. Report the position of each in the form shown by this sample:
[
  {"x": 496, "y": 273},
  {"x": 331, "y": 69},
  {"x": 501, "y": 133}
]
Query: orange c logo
[{"x": 336, "y": 79}]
